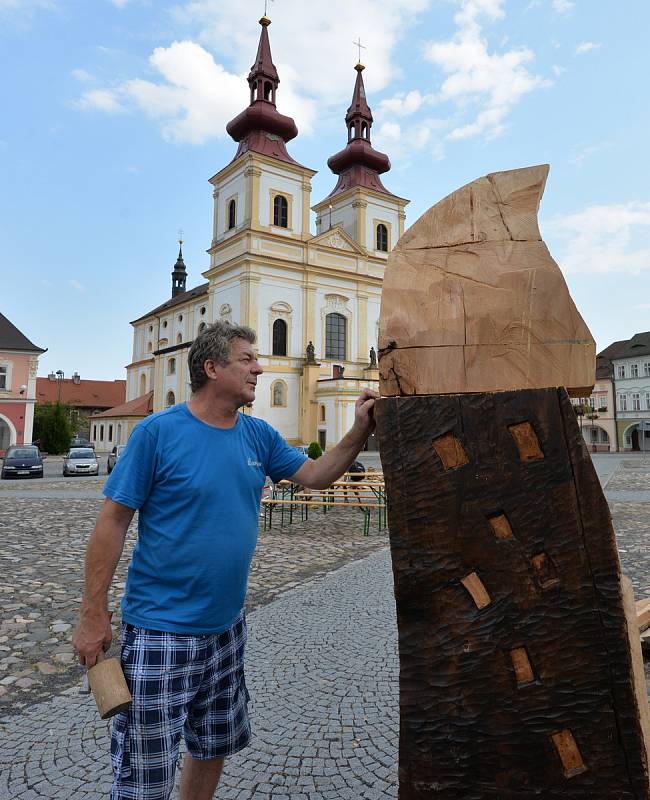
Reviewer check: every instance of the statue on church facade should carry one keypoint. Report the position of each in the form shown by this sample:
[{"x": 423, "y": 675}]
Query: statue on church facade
[
  {"x": 311, "y": 353},
  {"x": 373, "y": 358}
]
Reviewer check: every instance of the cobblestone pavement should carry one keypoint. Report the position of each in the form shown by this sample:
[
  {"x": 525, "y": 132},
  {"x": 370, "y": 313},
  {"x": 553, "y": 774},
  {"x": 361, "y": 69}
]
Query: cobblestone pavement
[
  {"x": 41, "y": 581},
  {"x": 322, "y": 666}
]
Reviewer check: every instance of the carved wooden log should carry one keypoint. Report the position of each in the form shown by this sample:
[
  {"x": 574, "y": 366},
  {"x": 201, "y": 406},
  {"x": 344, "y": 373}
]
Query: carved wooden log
[
  {"x": 516, "y": 677},
  {"x": 519, "y": 645}
]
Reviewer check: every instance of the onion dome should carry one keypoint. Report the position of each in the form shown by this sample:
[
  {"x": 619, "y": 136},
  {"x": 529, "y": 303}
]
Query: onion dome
[
  {"x": 260, "y": 127},
  {"x": 179, "y": 273},
  {"x": 359, "y": 164}
]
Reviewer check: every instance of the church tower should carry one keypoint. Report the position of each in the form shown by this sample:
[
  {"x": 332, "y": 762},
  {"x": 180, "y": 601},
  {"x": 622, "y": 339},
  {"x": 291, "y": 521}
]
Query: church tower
[
  {"x": 179, "y": 273},
  {"x": 360, "y": 203}
]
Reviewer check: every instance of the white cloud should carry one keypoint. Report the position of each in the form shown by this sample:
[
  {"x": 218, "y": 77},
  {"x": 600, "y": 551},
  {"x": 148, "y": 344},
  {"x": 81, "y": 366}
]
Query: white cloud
[
  {"x": 119, "y": 3},
  {"x": 404, "y": 103},
  {"x": 77, "y": 286},
  {"x": 107, "y": 100},
  {"x": 558, "y": 70},
  {"x": 81, "y": 75},
  {"x": 490, "y": 83},
  {"x": 586, "y": 47},
  {"x": 562, "y": 6},
  {"x": 604, "y": 238},
  {"x": 194, "y": 94},
  {"x": 581, "y": 155}
]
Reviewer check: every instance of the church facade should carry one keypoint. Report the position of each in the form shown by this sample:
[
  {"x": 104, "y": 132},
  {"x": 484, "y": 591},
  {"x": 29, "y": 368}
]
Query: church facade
[{"x": 313, "y": 299}]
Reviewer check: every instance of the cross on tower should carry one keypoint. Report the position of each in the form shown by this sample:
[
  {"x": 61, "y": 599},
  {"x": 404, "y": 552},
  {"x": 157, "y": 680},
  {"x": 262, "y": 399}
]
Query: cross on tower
[
  {"x": 360, "y": 46},
  {"x": 180, "y": 236},
  {"x": 266, "y": 5}
]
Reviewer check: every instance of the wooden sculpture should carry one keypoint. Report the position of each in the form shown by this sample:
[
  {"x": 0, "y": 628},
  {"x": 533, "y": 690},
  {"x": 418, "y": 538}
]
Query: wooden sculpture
[{"x": 520, "y": 670}]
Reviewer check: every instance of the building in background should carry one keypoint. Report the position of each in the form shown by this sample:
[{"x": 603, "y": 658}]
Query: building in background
[
  {"x": 632, "y": 385},
  {"x": 18, "y": 370},
  {"x": 312, "y": 299},
  {"x": 83, "y": 397},
  {"x": 113, "y": 427}
]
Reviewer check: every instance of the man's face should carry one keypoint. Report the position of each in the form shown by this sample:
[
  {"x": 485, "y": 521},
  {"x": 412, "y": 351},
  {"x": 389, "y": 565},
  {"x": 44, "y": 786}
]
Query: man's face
[{"x": 237, "y": 380}]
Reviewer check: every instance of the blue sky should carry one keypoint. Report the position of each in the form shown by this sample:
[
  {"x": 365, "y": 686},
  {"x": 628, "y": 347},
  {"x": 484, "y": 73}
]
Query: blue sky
[{"x": 114, "y": 114}]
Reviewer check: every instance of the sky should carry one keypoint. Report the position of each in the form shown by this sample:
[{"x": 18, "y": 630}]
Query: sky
[{"x": 114, "y": 114}]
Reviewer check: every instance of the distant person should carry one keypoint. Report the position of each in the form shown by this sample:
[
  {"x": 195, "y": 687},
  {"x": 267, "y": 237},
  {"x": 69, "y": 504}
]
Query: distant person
[{"x": 195, "y": 471}]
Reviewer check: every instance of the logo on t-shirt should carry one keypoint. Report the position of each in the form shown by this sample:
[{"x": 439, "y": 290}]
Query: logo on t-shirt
[{"x": 253, "y": 463}]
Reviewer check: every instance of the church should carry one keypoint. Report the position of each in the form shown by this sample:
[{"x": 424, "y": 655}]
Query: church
[{"x": 313, "y": 299}]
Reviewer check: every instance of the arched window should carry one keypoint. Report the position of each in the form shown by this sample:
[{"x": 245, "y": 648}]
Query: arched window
[
  {"x": 179, "y": 338},
  {"x": 170, "y": 399},
  {"x": 268, "y": 88},
  {"x": 364, "y": 130},
  {"x": 382, "y": 238},
  {"x": 148, "y": 347},
  {"x": 232, "y": 214},
  {"x": 171, "y": 366},
  {"x": 322, "y": 413},
  {"x": 278, "y": 394},
  {"x": 351, "y": 131},
  {"x": 280, "y": 211},
  {"x": 143, "y": 384},
  {"x": 279, "y": 338},
  {"x": 335, "y": 336}
]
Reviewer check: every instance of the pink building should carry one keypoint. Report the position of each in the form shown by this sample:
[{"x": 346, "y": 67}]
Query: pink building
[{"x": 18, "y": 368}]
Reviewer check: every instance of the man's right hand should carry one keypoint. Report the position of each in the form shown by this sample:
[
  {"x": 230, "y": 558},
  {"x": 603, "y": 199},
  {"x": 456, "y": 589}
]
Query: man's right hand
[{"x": 92, "y": 634}]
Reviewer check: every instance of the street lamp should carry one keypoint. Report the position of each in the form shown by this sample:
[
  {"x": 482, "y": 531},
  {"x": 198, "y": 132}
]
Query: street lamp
[{"x": 59, "y": 379}]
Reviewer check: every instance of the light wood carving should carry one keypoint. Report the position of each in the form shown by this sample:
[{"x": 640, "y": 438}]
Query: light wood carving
[{"x": 473, "y": 301}]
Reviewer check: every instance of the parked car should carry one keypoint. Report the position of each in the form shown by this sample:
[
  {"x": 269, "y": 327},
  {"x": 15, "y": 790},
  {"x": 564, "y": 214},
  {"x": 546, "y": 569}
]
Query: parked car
[
  {"x": 81, "y": 441},
  {"x": 113, "y": 456},
  {"x": 80, "y": 461},
  {"x": 22, "y": 461}
]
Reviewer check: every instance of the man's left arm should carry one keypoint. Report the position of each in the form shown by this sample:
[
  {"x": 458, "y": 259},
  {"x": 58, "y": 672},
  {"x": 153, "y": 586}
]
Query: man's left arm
[{"x": 319, "y": 474}]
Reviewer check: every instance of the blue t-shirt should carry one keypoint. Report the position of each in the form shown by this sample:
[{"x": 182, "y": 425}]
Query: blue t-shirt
[{"x": 198, "y": 490}]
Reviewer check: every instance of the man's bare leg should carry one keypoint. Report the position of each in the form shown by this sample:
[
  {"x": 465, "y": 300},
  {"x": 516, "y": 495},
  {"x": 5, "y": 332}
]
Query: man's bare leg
[{"x": 199, "y": 779}]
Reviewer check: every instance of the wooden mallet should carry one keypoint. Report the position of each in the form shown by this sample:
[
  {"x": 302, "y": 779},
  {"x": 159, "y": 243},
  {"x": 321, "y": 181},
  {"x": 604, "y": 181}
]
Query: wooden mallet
[{"x": 108, "y": 685}]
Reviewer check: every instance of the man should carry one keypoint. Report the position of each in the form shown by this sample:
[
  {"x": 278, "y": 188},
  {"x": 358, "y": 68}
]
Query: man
[{"x": 195, "y": 472}]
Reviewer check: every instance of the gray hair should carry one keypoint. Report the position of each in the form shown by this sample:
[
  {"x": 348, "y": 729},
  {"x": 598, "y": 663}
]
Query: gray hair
[{"x": 214, "y": 343}]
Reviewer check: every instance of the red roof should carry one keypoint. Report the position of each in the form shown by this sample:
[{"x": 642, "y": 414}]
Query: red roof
[
  {"x": 85, "y": 394},
  {"x": 140, "y": 407}
]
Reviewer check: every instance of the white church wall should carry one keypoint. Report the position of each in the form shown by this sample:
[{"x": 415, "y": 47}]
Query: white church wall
[
  {"x": 233, "y": 188},
  {"x": 388, "y": 214},
  {"x": 273, "y": 294},
  {"x": 286, "y": 419},
  {"x": 272, "y": 182}
]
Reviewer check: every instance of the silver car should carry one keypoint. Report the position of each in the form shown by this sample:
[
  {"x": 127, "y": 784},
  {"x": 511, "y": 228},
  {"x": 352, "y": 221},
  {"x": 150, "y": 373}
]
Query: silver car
[
  {"x": 115, "y": 453},
  {"x": 80, "y": 461}
]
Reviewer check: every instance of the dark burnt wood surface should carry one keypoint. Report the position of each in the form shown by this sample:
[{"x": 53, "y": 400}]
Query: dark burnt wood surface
[{"x": 527, "y": 695}]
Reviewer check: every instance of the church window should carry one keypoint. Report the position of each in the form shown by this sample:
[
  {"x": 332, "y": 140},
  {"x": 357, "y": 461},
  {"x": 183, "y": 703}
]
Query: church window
[
  {"x": 179, "y": 338},
  {"x": 335, "y": 336},
  {"x": 165, "y": 324},
  {"x": 322, "y": 413},
  {"x": 150, "y": 328},
  {"x": 202, "y": 312},
  {"x": 170, "y": 399},
  {"x": 268, "y": 88},
  {"x": 3, "y": 377},
  {"x": 280, "y": 211},
  {"x": 279, "y": 338},
  {"x": 148, "y": 347},
  {"x": 364, "y": 130},
  {"x": 279, "y": 393},
  {"x": 180, "y": 317},
  {"x": 143, "y": 384},
  {"x": 351, "y": 130},
  {"x": 110, "y": 433},
  {"x": 232, "y": 214},
  {"x": 382, "y": 238},
  {"x": 101, "y": 433},
  {"x": 94, "y": 433},
  {"x": 171, "y": 366}
]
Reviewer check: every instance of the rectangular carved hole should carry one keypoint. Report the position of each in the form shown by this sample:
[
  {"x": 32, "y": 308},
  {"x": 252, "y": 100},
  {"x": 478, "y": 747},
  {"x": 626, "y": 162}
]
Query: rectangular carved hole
[
  {"x": 478, "y": 592},
  {"x": 545, "y": 571},
  {"x": 522, "y": 666},
  {"x": 500, "y": 526},
  {"x": 569, "y": 753},
  {"x": 526, "y": 440},
  {"x": 450, "y": 451}
]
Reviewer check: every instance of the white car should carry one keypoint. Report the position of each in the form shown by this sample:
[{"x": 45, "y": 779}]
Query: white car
[{"x": 80, "y": 461}]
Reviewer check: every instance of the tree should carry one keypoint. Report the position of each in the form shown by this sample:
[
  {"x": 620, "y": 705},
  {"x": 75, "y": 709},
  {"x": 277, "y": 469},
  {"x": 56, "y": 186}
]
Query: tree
[
  {"x": 314, "y": 450},
  {"x": 52, "y": 427}
]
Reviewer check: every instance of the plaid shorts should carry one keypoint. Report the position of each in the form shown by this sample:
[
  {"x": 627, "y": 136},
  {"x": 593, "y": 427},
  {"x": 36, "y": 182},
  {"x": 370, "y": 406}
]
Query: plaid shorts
[{"x": 181, "y": 685}]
